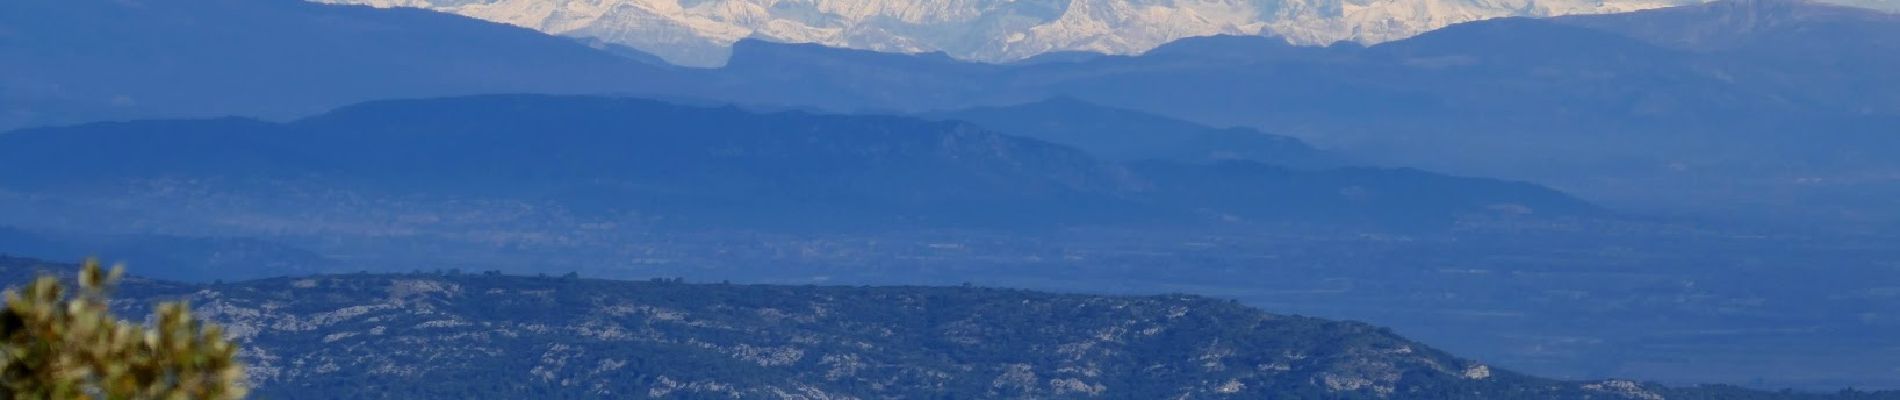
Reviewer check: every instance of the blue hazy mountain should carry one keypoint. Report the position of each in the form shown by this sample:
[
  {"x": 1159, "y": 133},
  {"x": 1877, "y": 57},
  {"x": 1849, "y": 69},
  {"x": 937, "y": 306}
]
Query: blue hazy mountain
[
  {"x": 1128, "y": 135},
  {"x": 89, "y": 60},
  {"x": 1823, "y": 56},
  {"x": 1600, "y": 108},
  {"x": 723, "y": 166},
  {"x": 1767, "y": 119}
]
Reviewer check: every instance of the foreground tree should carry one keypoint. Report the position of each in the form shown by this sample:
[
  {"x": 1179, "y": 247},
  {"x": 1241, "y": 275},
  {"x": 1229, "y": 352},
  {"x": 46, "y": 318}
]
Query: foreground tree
[{"x": 59, "y": 346}]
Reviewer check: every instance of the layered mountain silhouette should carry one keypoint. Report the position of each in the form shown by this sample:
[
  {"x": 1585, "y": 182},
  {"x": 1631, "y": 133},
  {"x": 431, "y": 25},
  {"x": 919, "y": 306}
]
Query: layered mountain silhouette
[
  {"x": 723, "y": 166},
  {"x": 1774, "y": 98},
  {"x": 1833, "y": 58},
  {"x": 1576, "y": 98}
]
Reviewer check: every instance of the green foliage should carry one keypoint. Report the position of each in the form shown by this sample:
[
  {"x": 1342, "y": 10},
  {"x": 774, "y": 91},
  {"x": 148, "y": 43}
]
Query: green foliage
[{"x": 56, "y": 345}]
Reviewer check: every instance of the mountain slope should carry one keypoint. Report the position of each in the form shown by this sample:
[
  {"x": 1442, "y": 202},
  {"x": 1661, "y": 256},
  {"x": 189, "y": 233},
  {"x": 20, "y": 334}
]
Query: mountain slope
[
  {"x": 1783, "y": 128},
  {"x": 1818, "y": 54},
  {"x": 88, "y": 60},
  {"x": 491, "y": 336}
]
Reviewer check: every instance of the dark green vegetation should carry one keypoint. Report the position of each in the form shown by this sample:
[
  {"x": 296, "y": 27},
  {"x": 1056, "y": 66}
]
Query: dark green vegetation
[{"x": 455, "y": 335}]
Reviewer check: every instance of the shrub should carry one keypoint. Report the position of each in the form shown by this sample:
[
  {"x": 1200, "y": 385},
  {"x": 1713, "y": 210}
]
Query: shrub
[{"x": 59, "y": 346}]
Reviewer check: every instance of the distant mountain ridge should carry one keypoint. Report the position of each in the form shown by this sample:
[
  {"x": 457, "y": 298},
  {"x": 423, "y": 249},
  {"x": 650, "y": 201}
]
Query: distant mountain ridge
[
  {"x": 1787, "y": 118},
  {"x": 463, "y": 335},
  {"x": 720, "y": 166},
  {"x": 1597, "y": 108}
]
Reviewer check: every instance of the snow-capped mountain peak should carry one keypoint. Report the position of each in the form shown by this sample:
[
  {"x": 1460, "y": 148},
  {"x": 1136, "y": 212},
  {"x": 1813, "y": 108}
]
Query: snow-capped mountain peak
[{"x": 700, "y": 32}]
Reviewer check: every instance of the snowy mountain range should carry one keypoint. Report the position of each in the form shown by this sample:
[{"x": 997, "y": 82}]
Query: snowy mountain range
[{"x": 700, "y": 32}]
